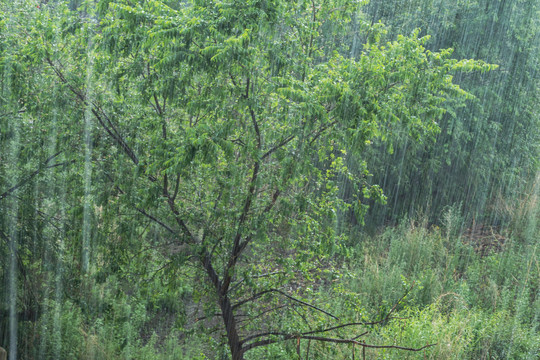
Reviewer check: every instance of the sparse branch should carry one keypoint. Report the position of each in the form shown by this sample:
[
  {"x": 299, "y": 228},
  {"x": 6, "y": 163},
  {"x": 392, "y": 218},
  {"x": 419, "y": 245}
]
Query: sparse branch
[
  {"x": 360, "y": 335},
  {"x": 238, "y": 247},
  {"x": 156, "y": 220},
  {"x": 387, "y": 317},
  {"x": 111, "y": 130},
  {"x": 278, "y": 146},
  {"x": 216, "y": 244},
  {"x": 255, "y": 126},
  {"x": 100, "y": 115},
  {"x": 262, "y": 313},
  {"x": 160, "y": 111},
  {"x": 47, "y": 217},
  {"x": 232, "y": 79},
  {"x": 267, "y": 209},
  {"x": 165, "y": 176},
  {"x": 256, "y": 277},
  {"x": 322, "y": 130},
  {"x": 341, "y": 326},
  {"x": 176, "y": 187},
  {"x": 32, "y": 175},
  {"x": 254, "y": 297},
  {"x": 179, "y": 219},
  {"x": 119, "y": 140},
  {"x": 158, "y": 108},
  {"x": 143, "y": 212},
  {"x": 286, "y": 336},
  {"x": 256, "y": 336},
  {"x": 207, "y": 317},
  {"x": 246, "y": 95},
  {"x": 273, "y": 201},
  {"x": 253, "y": 116},
  {"x": 21, "y": 111},
  {"x": 258, "y": 295},
  {"x": 63, "y": 79},
  {"x": 311, "y": 35},
  {"x": 309, "y": 335},
  {"x": 268, "y": 274}
]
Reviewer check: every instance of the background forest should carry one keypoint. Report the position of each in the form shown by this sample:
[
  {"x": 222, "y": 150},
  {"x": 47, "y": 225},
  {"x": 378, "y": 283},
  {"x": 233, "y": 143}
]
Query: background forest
[{"x": 270, "y": 179}]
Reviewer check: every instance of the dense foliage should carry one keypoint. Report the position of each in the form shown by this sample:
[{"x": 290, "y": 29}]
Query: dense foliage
[
  {"x": 485, "y": 157},
  {"x": 194, "y": 179}
]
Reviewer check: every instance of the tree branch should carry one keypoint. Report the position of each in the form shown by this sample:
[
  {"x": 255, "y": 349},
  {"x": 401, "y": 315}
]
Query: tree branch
[
  {"x": 21, "y": 111},
  {"x": 278, "y": 146},
  {"x": 237, "y": 246},
  {"x": 258, "y": 295},
  {"x": 176, "y": 187},
  {"x": 32, "y": 175},
  {"x": 252, "y": 337},
  {"x": 98, "y": 113},
  {"x": 156, "y": 220},
  {"x": 286, "y": 336},
  {"x": 387, "y": 317},
  {"x": 262, "y": 313},
  {"x": 322, "y": 130},
  {"x": 255, "y": 126}
]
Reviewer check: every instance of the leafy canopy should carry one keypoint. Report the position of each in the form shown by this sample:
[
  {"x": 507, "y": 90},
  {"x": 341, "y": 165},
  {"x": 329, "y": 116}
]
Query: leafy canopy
[{"x": 227, "y": 124}]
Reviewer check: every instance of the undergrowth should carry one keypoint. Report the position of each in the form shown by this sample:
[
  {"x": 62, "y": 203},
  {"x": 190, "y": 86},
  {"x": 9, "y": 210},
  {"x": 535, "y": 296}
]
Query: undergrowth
[{"x": 466, "y": 304}]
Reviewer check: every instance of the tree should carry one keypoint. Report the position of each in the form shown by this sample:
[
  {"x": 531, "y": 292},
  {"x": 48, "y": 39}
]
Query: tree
[
  {"x": 483, "y": 159},
  {"x": 227, "y": 125}
]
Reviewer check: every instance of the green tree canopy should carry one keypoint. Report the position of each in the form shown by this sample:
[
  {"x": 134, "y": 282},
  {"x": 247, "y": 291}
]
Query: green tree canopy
[{"x": 224, "y": 124}]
